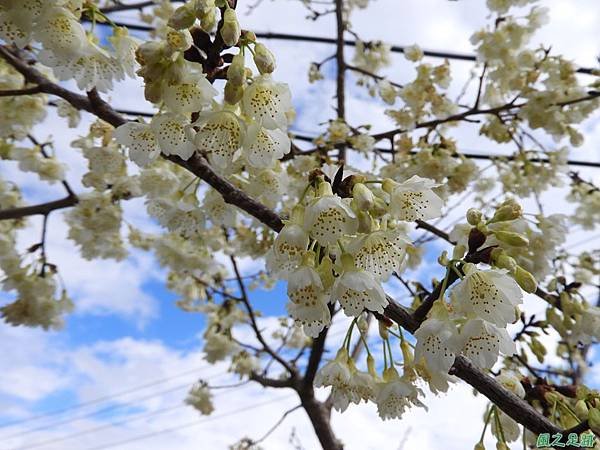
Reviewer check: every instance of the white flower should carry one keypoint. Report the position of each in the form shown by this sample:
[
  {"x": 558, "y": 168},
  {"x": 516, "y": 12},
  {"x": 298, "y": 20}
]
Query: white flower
[
  {"x": 510, "y": 381},
  {"x": 361, "y": 386},
  {"x": 92, "y": 67},
  {"x": 510, "y": 428},
  {"x": 357, "y": 290},
  {"x": 328, "y": 218},
  {"x": 140, "y": 140},
  {"x": 489, "y": 294},
  {"x": 125, "y": 47},
  {"x": 170, "y": 133},
  {"x": 18, "y": 18},
  {"x": 308, "y": 302},
  {"x": 217, "y": 210},
  {"x": 395, "y": 395},
  {"x": 268, "y": 102},
  {"x": 59, "y": 31},
  {"x": 288, "y": 247},
  {"x": 381, "y": 252},
  {"x": 413, "y": 199},
  {"x": 191, "y": 95},
  {"x": 482, "y": 342},
  {"x": 200, "y": 398},
  {"x": 436, "y": 344},
  {"x": 336, "y": 372},
  {"x": 263, "y": 146},
  {"x": 217, "y": 346},
  {"x": 221, "y": 133}
]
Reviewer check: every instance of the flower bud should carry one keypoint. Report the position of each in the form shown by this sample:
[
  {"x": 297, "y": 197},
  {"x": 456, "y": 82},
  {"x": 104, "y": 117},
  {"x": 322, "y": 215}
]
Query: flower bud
[
  {"x": 230, "y": 31},
  {"x": 501, "y": 446},
  {"x": 236, "y": 72},
  {"x": 388, "y": 185},
  {"x": 362, "y": 324},
  {"x": 527, "y": 282},
  {"x": 443, "y": 259},
  {"x": 383, "y": 330},
  {"x": 233, "y": 93},
  {"x": 264, "y": 59},
  {"x": 512, "y": 238},
  {"x": 183, "y": 17},
  {"x": 502, "y": 260},
  {"x": 594, "y": 420},
  {"x": 459, "y": 251},
  {"x": 474, "y": 216},
  {"x": 538, "y": 350},
  {"x": 371, "y": 366},
  {"x": 507, "y": 212},
  {"x": 479, "y": 446},
  {"x": 363, "y": 197},
  {"x": 208, "y": 20}
]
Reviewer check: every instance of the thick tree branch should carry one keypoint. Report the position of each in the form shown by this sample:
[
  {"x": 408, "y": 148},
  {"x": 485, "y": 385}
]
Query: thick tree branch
[{"x": 18, "y": 92}]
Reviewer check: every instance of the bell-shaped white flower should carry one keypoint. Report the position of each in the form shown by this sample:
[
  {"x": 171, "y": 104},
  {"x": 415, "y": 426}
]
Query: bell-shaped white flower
[
  {"x": 380, "y": 252},
  {"x": 92, "y": 67},
  {"x": 335, "y": 373},
  {"x": 218, "y": 211},
  {"x": 289, "y": 246},
  {"x": 140, "y": 140},
  {"x": 268, "y": 102},
  {"x": 482, "y": 342},
  {"x": 491, "y": 295},
  {"x": 221, "y": 134},
  {"x": 125, "y": 47},
  {"x": 395, "y": 395},
  {"x": 361, "y": 386},
  {"x": 170, "y": 131},
  {"x": 263, "y": 147},
  {"x": 511, "y": 382},
  {"x": 328, "y": 217},
  {"x": 191, "y": 95},
  {"x": 437, "y": 344},
  {"x": 308, "y": 300},
  {"x": 357, "y": 290},
  {"x": 413, "y": 199},
  {"x": 59, "y": 31},
  {"x": 18, "y": 19}
]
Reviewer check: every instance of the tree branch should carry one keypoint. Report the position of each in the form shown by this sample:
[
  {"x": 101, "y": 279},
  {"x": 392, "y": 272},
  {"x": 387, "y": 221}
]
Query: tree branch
[
  {"x": 17, "y": 92},
  {"x": 42, "y": 208}
]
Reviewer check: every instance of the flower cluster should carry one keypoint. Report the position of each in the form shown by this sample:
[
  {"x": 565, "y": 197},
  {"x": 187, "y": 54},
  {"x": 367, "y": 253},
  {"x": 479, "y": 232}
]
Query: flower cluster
[
  {"x": 19, "y": 113},
  {"x": 335, "y": 249},
  {"x": 67, "y": 48},
  {"x": 35, "y": 282}
]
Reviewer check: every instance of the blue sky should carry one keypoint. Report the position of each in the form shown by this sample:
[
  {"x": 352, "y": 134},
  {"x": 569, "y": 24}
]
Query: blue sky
[{"x": 127, "y": 330}]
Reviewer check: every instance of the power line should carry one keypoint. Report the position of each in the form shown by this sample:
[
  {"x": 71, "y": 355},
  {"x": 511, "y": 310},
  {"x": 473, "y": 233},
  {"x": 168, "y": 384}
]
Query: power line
[
  {"x": 103, "y": 410},
  {"x": 347, "y": 42},
  {"x": 471, "y": 155},
  {"x": 191, "y": 424},
  {"x": 114, "y": 424},
  {"x": 99, "y": 399}
]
